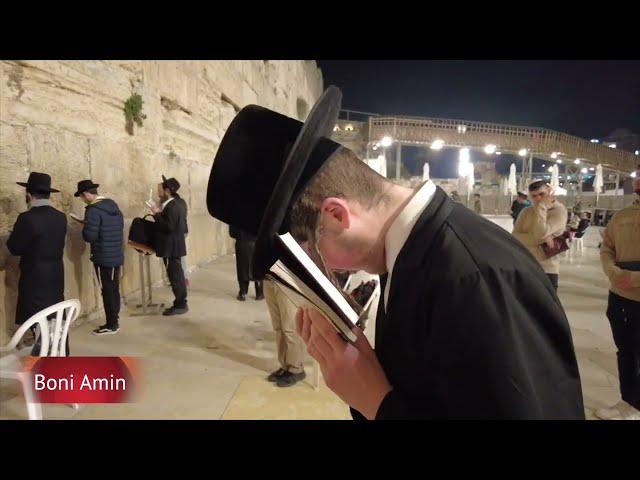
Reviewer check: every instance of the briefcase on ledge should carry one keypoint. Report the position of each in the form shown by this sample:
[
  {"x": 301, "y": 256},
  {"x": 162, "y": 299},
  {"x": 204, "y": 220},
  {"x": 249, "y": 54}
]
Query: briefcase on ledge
[{"x": 142, "y": 234}]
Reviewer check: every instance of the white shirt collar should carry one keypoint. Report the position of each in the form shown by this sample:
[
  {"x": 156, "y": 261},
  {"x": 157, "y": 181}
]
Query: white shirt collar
[
  {"x": 39, "y": 202},
  {"x": 164, "y": 204},
  {"x": 401, "y": 228}
]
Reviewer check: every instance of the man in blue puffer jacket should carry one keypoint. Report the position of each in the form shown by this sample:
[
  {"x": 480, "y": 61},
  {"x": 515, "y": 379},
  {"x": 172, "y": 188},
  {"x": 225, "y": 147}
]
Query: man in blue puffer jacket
[{"x": 103, "y": 229}]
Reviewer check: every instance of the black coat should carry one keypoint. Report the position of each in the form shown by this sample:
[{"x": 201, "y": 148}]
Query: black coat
[
  {"x": 38, "y": 237},
  {"x": 170, "y": 225},
  {"x": 473, "y": 328},
  {"x": 244, "y": 248},
  {"x": 103, "y": 224},
  {"x": 516, "y": 208}
]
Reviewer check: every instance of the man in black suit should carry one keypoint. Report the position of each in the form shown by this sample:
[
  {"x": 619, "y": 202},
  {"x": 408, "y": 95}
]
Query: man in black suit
[
  {"x": 171, "y": 220},
  {"x": 38, "y": 237}
]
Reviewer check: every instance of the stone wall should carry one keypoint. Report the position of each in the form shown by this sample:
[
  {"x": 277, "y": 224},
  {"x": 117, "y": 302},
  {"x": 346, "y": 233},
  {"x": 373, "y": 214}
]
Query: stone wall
[{"x": 66, "y": 118}]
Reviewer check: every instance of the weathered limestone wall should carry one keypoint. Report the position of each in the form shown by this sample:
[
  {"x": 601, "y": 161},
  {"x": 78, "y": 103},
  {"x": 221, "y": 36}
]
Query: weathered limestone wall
[{"x": 66, "y": 118}]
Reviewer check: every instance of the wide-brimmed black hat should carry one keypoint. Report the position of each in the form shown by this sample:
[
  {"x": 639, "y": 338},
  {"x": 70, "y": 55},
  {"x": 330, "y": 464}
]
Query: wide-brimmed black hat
[
  {"x": 84, "y": 185},
  {"x": 170, "y": 183},
  {"x": 39, "y": 183},
  {"x": 264, "y": 160}
]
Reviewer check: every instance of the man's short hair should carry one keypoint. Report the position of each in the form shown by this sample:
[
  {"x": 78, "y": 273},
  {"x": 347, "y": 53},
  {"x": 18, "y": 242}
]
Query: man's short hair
[
  {"x": 39, "y": 195},
  {"x": 343, "y": 175},
  {"x": 537, "y": 184}
]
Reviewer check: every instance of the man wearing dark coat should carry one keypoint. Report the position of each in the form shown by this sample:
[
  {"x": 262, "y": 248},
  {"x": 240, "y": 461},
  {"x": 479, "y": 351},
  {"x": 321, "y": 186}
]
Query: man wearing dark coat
[
  {"x": 38, "y": 237},
  {"x": 171, "y": 221},
  {"x": 244, "y": 247},
  {"x": 102, "y": 228},
  {"x": 468, "y": 326}
]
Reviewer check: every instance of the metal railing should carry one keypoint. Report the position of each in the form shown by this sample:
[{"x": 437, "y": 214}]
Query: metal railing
[{"x": 507, "y": 138}]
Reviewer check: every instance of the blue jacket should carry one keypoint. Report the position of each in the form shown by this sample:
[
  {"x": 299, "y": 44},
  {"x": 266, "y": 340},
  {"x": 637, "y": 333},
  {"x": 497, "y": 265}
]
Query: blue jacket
[{"x": 103, "y": 229}]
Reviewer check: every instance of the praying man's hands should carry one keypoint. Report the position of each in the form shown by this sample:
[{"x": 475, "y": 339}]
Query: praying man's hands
[{"x": 351, "y": 371}]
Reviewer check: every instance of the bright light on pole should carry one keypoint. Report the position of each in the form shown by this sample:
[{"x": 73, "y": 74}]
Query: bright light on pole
[
  {"x": 437, "y": 144},
  {"x": 489, "y": 149},
  {"x": 633, "y": 174},
  {"x": 386, "y": 141},
  {"x": 522, "y": 152},
  {"x": 554, "y": 155},
  {"x": 559, "y": 160},
  {"x": 577, "y": 161},
  {"x": 584, "y": 170},
  {"x": 595, "y": 140},
  {"x": 463, "y": 162},
  {"x": 612, "y": 145}
]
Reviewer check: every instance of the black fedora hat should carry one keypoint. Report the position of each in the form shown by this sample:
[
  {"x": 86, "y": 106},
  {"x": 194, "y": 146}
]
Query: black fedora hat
[
  {"x": 264, "y": 160},
  {"x": 171, "y": 183},
  {"x": 84, "y": 185},
  {"x": 38, "y": 182}
]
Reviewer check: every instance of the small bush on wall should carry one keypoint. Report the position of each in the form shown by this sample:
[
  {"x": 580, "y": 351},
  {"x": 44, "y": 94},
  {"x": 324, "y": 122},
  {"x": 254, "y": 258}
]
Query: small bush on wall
[{"x": 133, "y": 112}]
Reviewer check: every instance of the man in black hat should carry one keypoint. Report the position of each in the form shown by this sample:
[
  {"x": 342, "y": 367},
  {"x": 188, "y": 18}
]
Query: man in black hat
[
  {"x": 519, "y": 204},
  {"x": 171, "y": 221},
  {"x": 103, "y": 225},
  {"x": 38, "y": 237},
  {"x": 469, "y": 326}
]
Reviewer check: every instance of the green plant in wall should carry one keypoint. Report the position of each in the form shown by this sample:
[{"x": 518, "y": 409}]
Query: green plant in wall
[{"x": 133, "y": 112}]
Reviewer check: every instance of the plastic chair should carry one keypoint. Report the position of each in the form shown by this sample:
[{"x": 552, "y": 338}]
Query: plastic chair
[{"x": 53, "y": 339}]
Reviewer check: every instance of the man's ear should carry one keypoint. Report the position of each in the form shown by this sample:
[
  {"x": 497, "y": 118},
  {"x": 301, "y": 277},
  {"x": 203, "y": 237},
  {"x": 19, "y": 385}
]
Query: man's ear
[{"x": 338, "y": 210}]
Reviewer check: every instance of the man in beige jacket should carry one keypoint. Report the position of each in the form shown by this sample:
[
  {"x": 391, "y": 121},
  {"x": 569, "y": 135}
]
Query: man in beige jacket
[
  {"x": 539, "y": 224},
  {"x": 290, "y": 345},
  {"x": 620, "y": 257}
]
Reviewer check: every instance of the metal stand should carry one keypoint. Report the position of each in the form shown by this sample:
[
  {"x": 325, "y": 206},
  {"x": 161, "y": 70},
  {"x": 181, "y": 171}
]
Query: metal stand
[{"x": 147, "y": 305}]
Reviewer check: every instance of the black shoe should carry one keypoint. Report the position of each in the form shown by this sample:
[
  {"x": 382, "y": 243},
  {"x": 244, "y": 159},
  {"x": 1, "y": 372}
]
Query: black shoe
[
  {"x": 175, "y": 311},
  {"x": 259, "y": 291},
  {"x": 276, "y": 375},
  {"x": 104, "y": 330},
  {"x": 241, "y": 296},
  {"x": 289, "y": 379}
]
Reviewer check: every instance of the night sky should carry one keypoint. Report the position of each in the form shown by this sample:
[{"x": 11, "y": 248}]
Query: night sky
[{"x": 588, "y": 99}]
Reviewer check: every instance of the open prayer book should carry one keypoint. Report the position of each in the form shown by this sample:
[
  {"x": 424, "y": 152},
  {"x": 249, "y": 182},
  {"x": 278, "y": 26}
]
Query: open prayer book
[
  {"x": 76, "y": 217},
  {"x": 305, "y": 285}
]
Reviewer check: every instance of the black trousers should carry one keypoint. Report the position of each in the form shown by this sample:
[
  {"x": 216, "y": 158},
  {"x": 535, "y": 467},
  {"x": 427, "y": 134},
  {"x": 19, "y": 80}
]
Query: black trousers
[
  {"x": 176, "y": 277},
  {"x": 244, "y": 287},
  {"x": 624, "y": 317},
  {"x": 35, "y": 350},
  {"x": 109, "y": 278},
  {"x": 554, "y": 279}
]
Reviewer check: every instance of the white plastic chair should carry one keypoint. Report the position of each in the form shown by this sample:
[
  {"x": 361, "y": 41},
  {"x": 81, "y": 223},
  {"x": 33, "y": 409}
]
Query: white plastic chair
[{"x": 53, "y": 340}]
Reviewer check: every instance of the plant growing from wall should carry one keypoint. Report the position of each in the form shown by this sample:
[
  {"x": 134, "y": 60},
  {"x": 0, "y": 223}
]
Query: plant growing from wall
[{"x": 133, "y": 112}]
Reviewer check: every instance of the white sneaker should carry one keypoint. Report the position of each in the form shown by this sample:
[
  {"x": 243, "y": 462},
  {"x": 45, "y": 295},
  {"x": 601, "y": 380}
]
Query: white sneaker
[{"x": 620, "y": 411}]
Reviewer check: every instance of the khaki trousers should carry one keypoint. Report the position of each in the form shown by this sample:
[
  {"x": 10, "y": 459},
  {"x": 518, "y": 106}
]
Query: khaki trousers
[{"x": 283, "y": 318}]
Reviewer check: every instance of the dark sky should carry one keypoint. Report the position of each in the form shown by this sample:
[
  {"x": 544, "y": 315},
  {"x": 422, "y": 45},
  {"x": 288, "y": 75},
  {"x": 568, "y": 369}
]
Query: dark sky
[{"x": 585, "y": 98}]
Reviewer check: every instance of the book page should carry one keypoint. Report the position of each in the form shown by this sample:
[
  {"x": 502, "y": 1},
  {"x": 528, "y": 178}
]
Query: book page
[
  {"x": 300, "y": 299},
  {"x": 305, "y": 296},
  {"x": 329, "y": 288}
]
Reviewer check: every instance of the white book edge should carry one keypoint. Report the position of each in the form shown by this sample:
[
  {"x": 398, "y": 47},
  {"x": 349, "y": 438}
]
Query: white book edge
[
  {"x": 313, "y": 269},
  {"x": 301, "y": 299}
]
